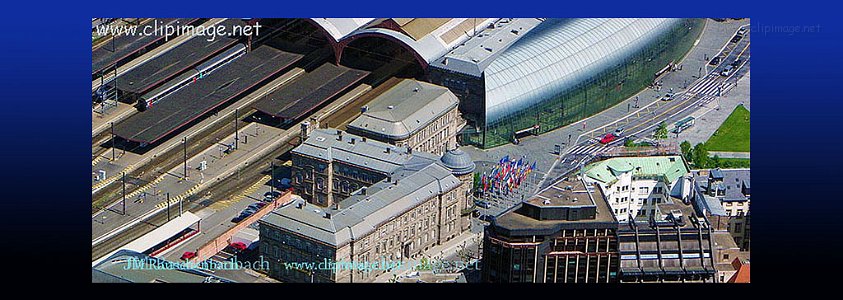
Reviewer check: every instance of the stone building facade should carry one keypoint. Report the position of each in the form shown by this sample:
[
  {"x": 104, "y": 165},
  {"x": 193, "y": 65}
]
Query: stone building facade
[{"x": 414, "y": 114}]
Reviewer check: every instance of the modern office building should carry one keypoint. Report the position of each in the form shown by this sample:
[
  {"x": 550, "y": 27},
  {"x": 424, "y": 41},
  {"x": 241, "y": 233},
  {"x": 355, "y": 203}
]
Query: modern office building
[
  {"x": 634, "y": 186},
  {"x": 529, "y": 76},
  {"x": 571, "y": 232},
  {"x": 418, "y": 115},
  {"x": 564, "y": 234}
]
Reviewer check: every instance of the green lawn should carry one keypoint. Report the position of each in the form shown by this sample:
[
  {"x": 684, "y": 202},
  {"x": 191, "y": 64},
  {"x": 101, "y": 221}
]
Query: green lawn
[{"x": 733, "y": 134}]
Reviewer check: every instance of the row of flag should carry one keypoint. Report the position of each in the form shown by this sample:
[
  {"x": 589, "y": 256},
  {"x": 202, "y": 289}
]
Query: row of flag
[{"x": 507, "y": 175}]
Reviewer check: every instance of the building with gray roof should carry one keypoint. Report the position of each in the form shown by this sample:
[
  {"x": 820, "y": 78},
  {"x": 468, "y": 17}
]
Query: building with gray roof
[
  {"x": 723, "y": 195},
  {"x": 363, "y": 201},
  {"x": 128, "y": 266},
  {"x": 393, "y": 220},
  {"x": 529, "y": 76},
  {"x": 415, "y": 114}
]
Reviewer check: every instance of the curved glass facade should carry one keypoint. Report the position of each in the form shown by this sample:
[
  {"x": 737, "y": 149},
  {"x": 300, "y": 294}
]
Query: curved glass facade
[{"x": 565, "y": 70}]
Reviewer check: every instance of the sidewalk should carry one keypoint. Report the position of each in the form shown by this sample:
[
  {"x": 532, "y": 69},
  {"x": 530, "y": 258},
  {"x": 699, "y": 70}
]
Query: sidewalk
[
  {"x": 723, "y": 154},
  {"x": 438, "y": 252},
  {"x": 709, "y": 117}
]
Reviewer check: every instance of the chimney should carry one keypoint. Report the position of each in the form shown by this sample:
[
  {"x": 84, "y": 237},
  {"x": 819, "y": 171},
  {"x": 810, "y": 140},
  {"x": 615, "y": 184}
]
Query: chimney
[
  {"x": 363, "y": 191},
  {"x": 351, "y": 141},
  {"x": 339, "y": 135},
  {"x": 305, "y": 130},
  {"x": 327, "y": 215},
  {"x": 409, "y": 150},
  {"x": 387, "y": 150},
  {"x": 364, "y": 109},
  {"x": 364, "y": 139}
]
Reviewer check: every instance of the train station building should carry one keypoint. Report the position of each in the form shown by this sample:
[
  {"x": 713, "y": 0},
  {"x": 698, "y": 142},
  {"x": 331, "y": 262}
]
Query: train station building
[{"x": 526, "y": 76}]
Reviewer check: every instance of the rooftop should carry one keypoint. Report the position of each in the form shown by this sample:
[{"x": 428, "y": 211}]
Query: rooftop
[
  {"x": 171, "y": 63},
  {"x": 195, "y": 100},
  {"x": 476, "y": 54},
  {"x": 335, "y": 145},
  {"x": 566, "y": 193},
  {"x": 606, "y": 171},
  {"x": 119, "y": 268},
  {"x": 405, "y": 109},
  {"x": 360, "y": 214},
  {"x": 121, "y": 46},
  {"x": 734, "y": 182},
  {"x": 309, "y": 91}
]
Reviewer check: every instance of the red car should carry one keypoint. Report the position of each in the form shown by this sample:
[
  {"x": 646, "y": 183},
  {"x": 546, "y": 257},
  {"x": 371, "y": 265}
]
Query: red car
[
  {"x": 240, "y": 246},
  {"x": 608, "y": 138},
  {"x": 188, "y": 255}
]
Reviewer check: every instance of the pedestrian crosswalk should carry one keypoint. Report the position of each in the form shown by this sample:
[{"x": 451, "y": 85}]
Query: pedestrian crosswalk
[
  {"x": 711, "y": 85},
  {"x": 592, "y": 149}
]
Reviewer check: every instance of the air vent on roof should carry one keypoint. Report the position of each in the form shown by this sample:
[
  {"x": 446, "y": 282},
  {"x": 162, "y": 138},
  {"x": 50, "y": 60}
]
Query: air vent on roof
[
  {"x": 415, "y": 90},
  {"x": 546, "y": 202},
  {"x": 364, "y": 108},
  {"x": 390, "y": 107},
  {"x": 515, "y": 32},
  {"x": 488, "y": 49}
]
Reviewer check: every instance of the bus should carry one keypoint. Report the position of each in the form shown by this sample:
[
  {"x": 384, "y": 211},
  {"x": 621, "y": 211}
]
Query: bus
[{"x": 683, "y": 124}]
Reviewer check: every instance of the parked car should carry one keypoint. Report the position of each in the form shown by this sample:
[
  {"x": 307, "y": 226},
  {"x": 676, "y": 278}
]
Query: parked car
[
  {"x": 742, "y": 31},
  {"x": 487, "y": 218},
  {"x": 482, "y": 204},
  {"x": 188, "y": 255},
  {"x": 715, "y": 61},
  {"x": 257, "y": 205},
  {"x": 736, "y": 38},
  {"x": 239, "y": 218},
  {"x": 248, "y": 211},
  {"x": 271, "y": 196},
  {"x": 668, "y": 97},
  {"x": 736, "y": 63},
  {"x": 608, "y": 138},
  {"x": 239, "y": 246}
]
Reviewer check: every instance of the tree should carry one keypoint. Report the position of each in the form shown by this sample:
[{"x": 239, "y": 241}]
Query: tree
[
  {"x": 700, "y": 154},
  {"x": 715, "y": 162},
  {"x": 661, "y": 131},
  {"x": 686, "y": 150},
  {"x": 628, "y": 143}
]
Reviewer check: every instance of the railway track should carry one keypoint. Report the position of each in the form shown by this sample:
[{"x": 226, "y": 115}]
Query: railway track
[
  {"x": 226, "y": 189},
  {"x": 162, "y": 163}
]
